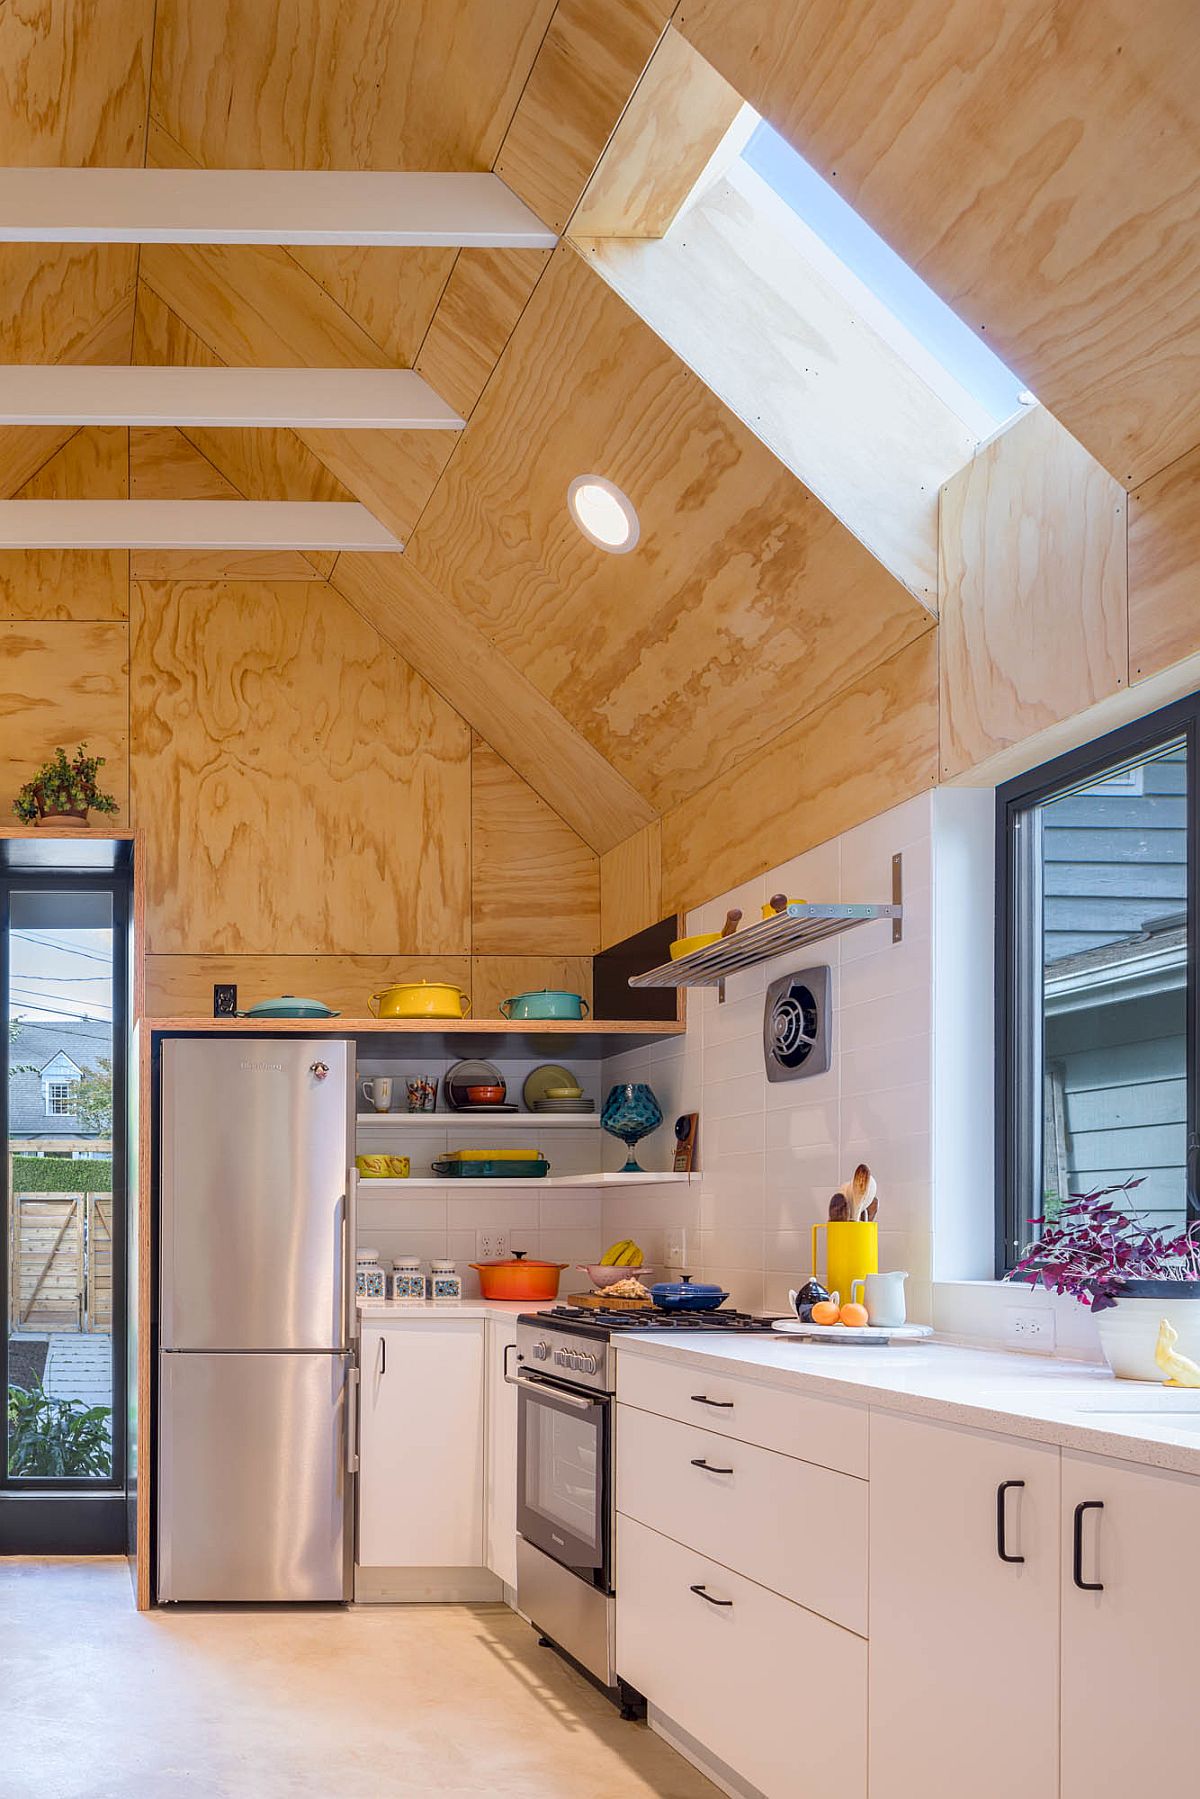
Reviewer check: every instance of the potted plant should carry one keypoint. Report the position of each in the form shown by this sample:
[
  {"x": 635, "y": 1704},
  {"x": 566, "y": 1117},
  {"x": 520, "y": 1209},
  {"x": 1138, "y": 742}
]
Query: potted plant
[
  {"x": 63, "y": 791},
  {"x": 1130, "y": 1277}
]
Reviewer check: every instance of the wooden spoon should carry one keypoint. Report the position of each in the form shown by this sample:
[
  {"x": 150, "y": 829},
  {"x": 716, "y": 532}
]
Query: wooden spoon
[
  {"x": 839, "y": 1209},
  {"x": 778, "y": 902},
  {"x": 733, "y": 919}
]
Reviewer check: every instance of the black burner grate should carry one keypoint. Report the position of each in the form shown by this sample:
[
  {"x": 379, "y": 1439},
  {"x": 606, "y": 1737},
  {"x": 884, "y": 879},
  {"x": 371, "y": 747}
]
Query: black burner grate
[{"x": 651, "y": 1318}]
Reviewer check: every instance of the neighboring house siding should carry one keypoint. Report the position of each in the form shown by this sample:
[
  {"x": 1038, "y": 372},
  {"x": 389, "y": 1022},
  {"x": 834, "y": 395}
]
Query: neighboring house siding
[
  {"x": 1115, "y": 865},
  {"x": 49, "y": 1047}
]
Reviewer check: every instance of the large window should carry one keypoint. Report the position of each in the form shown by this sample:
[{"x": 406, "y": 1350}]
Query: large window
[{"x": 1096, "y": 1050}]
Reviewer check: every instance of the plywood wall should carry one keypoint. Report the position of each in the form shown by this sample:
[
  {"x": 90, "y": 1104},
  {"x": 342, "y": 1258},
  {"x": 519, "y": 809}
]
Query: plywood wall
[{"x": 313, "y": 817}]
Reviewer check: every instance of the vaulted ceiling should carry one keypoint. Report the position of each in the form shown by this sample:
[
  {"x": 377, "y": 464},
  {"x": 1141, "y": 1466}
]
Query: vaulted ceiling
[{"x": 618, "y": 686}]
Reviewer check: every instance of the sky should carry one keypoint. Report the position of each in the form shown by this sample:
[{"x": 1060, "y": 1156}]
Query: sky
[{"x": 57, "y": 974}]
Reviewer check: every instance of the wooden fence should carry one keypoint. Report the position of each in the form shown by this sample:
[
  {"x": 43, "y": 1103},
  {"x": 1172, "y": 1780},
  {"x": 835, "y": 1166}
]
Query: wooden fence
[{"x": 60, "y": 1262}]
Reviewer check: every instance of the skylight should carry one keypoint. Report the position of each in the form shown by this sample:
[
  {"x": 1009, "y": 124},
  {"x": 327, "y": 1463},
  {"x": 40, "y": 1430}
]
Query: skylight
[{"x": 952, "y": 345}]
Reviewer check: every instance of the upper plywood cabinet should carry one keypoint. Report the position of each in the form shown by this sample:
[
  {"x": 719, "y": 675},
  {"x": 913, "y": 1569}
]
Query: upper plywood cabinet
[{"x": 1038, "y": 165}]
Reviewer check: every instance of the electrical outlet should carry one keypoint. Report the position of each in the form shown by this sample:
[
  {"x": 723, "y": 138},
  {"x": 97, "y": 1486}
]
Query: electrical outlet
[
  {"x": 676, "y": 1249},
  {"x": 491, "y": 1246},
  {"x": 1029, "y": 1327}
]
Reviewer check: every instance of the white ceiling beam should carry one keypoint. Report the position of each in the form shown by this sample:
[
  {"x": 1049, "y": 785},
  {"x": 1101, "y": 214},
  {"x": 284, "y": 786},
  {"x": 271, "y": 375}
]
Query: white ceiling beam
[
  {"x": 298, "y": 398},
  {"x": 265, "y": 206},
  {"x": 192, "y": 525}
]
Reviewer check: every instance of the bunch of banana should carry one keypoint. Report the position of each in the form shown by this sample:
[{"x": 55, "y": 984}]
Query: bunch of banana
[{"x": 625, "y": 1254}]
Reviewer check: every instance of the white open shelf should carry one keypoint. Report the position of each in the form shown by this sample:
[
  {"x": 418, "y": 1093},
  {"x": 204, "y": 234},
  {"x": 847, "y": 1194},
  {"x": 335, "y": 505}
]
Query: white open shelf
[
  {"x": 368, "y": 1184},
  {"x": 525, "y": 1121}
]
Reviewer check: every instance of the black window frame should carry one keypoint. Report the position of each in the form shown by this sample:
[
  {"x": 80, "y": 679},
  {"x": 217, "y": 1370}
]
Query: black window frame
[
  {"x": 82, "y": 1515},
  {"x": 1018, "y": 1110}
]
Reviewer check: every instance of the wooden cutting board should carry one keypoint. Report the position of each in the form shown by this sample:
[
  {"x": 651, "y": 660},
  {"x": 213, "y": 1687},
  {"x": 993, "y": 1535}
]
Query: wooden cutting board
[{"x": 599, "y": 1302}]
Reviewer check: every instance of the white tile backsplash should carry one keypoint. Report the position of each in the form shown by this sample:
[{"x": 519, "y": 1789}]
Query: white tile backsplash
[{"x": 772, "y": 1153}]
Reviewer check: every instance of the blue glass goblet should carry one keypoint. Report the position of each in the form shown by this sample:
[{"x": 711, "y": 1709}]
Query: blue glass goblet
[{"x": 631, "y": 1112}]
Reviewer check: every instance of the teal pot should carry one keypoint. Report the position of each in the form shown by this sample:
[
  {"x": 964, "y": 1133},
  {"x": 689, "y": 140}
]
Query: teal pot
[
  {"x": 1128, "y": 1331},
  {"x": 549, "y": 1002},
  {"x": 288, "y": 1006}
]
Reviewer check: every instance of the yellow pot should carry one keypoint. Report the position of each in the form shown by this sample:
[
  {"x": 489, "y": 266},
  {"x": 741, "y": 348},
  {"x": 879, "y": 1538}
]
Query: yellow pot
[
  {"x": 420, "y": 999},
  {"x": 851, "y": 1253},
  {"x": 687, "y": 946}
]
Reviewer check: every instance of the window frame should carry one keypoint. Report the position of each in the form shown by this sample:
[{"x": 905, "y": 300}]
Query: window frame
[{"x": 1018, "y": 1046}]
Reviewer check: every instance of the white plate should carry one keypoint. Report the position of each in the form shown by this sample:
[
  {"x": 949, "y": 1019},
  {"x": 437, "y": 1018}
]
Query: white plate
[{"x": 851, "y": 1333}]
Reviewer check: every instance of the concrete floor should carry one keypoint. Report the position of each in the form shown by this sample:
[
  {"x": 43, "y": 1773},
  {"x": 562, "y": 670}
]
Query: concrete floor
[{"x": 97, "y": 1702}]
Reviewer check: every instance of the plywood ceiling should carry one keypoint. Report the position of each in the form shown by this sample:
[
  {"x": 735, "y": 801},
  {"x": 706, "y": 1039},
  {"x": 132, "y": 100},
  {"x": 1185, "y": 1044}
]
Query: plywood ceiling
[{"x": 1039, "y": 165}]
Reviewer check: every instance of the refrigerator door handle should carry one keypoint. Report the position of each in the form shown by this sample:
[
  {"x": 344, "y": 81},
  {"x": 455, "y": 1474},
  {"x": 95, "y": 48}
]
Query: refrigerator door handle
[
  {"x": 349, "y": 1254},
  {"x": 352, "y": 1383}
]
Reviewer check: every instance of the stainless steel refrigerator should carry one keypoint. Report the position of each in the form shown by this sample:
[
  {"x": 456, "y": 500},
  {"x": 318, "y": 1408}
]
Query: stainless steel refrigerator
[{"x": 256, "y": 1373}]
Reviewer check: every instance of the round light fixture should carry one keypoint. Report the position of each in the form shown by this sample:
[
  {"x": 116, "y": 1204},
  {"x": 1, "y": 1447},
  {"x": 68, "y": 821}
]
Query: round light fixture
[{"x": 603, "y": 513}]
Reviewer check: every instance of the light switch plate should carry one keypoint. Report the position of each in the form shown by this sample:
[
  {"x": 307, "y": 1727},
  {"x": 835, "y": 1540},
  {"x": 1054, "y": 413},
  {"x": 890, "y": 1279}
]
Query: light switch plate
[{"x": 676, "y": 1249}]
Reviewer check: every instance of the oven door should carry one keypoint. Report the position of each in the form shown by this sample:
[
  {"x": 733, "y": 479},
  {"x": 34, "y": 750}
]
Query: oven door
[{"x": 562, "y": 1476}]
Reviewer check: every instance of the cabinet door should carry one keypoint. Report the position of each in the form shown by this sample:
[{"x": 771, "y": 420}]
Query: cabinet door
[
  {"x": 767, "y": 1687},
  {"x": 420, "y": 1484},
  {"x": 1128, "y": 1651},
  {"x": 502, "y": 1452},
  {"x": 964, "y": 1645}
]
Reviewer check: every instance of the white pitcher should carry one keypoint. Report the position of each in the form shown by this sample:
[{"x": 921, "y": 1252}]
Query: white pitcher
[{"x": 883, "y": 1296}]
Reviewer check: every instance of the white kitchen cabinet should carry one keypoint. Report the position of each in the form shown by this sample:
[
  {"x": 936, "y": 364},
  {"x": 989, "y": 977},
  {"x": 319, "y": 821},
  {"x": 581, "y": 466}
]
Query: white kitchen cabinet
[
  {"x": 964, "y": 1645},
  {"x": 770, "y": 1689},
  {"x": 1128, "y": 1650},
  {"x": 421, "y": 1444},
  {"x": 501, "y": 1450},
  {"x": 790, "y": 1525}
]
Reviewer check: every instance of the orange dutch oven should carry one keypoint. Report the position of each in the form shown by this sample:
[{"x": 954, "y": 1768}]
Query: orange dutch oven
[{"x": 519, "y": 1278}]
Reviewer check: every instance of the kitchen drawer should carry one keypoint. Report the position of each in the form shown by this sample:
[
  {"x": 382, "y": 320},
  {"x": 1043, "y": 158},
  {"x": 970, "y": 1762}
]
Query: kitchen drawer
[
  {"x": 777, "y": 1693},
  {"x": 789, "y": 1525},
  {"x": 830, "y": 1432}
]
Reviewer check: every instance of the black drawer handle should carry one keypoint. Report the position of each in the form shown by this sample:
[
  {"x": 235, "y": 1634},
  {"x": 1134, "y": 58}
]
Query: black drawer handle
[
  {"x": 1085, "y": 1586},
  {"x": 1002, "y": 1519},
  {"x": 726, "y": 1405},
  {"x": 705, "y": 1595},
  {"x": 699, "y": 1462}
]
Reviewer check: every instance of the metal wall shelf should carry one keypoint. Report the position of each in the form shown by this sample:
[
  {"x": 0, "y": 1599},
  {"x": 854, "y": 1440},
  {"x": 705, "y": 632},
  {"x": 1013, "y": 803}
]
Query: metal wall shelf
[{"x": 797, "y": 928}]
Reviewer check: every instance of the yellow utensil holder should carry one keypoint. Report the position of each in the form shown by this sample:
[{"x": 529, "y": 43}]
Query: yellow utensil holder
[{"x": 851, "y": 1253}]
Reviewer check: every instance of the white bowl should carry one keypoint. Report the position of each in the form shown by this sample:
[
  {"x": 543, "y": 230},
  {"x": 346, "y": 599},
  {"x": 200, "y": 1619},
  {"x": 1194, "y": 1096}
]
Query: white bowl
[{"x": 602, "y": 1275}]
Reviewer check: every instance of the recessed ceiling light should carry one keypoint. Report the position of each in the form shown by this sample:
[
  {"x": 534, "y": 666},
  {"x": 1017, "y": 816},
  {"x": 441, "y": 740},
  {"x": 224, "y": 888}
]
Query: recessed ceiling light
[{"x": 603, "y": 513}]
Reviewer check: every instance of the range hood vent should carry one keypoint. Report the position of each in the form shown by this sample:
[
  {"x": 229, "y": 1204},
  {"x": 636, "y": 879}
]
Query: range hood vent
[{"x": 797, "y": 1025}]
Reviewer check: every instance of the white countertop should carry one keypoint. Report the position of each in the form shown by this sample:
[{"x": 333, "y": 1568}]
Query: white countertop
[
  {"x": 393, "y": 1309},
  {"x": 1074, "y": 1404}
]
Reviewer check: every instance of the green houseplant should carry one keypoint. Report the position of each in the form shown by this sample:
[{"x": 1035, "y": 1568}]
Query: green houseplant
[
  {"x": 64, "y": 791},
  {"x": 52, "y": 1437}
]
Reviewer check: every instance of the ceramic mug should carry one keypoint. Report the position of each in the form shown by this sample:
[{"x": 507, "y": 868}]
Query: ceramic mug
[
  {"x": 379, "y": 1092},
  {"x": 883, "y": 1296}
]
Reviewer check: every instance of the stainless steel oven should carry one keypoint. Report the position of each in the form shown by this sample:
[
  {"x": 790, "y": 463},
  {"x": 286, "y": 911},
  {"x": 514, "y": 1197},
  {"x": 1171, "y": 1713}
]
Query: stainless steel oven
[{"x": 565, "y": 1500}]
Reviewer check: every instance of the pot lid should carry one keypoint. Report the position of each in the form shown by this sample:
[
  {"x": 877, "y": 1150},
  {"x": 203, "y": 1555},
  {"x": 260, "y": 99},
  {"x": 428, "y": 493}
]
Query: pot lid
[
  {"x": 519, "y": 1259},
  {"x": 675, "y": 1289},
  {"x": 289, "y": 1006}
]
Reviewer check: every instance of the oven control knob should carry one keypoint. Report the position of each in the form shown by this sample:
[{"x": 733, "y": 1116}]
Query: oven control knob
[
  {"x": 541, "y": 1351},
  {"x": 589, "y": 1364}
]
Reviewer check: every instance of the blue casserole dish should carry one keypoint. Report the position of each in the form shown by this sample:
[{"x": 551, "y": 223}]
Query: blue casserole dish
[{"x": 687, "y": 1295}]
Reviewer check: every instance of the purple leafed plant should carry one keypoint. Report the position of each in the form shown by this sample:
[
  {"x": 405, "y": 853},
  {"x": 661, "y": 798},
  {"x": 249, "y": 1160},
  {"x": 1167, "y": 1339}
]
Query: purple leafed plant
[{"x": 1090, "y": 1249}]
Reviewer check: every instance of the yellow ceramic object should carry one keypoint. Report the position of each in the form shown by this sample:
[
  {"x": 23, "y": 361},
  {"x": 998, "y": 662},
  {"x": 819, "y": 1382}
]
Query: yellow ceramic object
[
  {"x": 373, "y": 1168},
  {"x": 420, "y": 999},
  {"x": 851, "y": 1253},
  {"x": 491, "y": 1155},
  {"x": 1180, "y": 1370},
  {"x": 687, "y": 946}
]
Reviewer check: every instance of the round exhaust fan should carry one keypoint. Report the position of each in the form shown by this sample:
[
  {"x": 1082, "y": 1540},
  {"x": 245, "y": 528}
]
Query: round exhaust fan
[{"x": 796, "y": 1025}]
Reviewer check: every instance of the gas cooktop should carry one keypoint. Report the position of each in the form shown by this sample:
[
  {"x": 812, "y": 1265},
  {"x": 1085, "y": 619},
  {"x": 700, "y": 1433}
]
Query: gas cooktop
[{"x": 595, "y": 1321}]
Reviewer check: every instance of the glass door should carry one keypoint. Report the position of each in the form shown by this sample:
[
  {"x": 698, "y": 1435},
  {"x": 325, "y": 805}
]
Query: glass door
[
  {"x": 62, "y": 1111},
  {"x": 562, "y": 1476}
]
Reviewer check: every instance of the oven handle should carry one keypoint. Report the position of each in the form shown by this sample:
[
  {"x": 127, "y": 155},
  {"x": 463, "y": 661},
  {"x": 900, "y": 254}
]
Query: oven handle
[{"x": 557, "y": 1392}]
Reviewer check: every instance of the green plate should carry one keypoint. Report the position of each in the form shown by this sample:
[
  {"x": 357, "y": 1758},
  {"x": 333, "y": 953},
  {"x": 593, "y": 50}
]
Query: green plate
[{"x": 541, "y": 1079}]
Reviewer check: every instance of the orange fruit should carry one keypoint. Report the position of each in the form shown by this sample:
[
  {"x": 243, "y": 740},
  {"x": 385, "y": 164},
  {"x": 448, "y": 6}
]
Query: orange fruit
[
  {"x": 825, "y": 1312},
  {"x": 853, "y": 1314}
]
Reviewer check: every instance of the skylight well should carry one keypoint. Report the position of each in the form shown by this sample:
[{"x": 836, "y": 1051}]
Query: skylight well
[{"x": 920, "y": 326}]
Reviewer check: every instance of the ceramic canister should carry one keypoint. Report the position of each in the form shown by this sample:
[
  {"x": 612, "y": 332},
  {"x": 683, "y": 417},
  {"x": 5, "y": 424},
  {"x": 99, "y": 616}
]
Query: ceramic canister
[{"x": 851, "y": 1253}]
